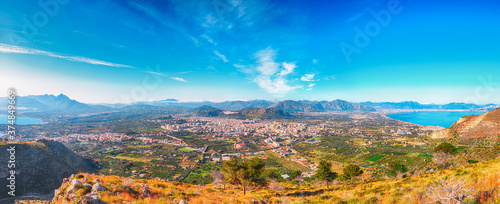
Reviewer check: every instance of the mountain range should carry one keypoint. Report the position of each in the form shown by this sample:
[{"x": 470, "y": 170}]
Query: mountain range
[
  {"x": 50, "y": 103},
  {"x": 63, "y": 104},
  {"x": 415, "y": 105}
]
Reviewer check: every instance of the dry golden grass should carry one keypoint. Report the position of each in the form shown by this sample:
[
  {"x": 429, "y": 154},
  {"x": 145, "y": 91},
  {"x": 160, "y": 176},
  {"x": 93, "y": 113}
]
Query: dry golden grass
[{"x": 483, "y": 178}]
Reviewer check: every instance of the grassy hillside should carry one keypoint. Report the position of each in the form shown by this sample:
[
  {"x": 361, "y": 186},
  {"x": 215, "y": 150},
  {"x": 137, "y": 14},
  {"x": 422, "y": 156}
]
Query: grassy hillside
[{"x": 481, "y": 179}]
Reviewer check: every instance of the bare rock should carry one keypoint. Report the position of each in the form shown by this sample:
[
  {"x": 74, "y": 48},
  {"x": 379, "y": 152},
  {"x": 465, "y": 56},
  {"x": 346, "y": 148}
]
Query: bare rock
[
  {"x": 72, "y": 185},
  {"x": 98, "y": 187},
  {"x": 91, "y": 199},
  {"x": 87, "y": 186}
]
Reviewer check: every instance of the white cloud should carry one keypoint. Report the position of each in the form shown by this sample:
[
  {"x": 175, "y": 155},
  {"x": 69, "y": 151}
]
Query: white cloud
[
  {"x": 288, "y": 68},
  {"x": 221, "y": 56},
  {"x": 311, "y": 85},
  {"x": 178, "y": 79},
  {"x": 270, "y": 75},
  {"x": 307, "y": 77},
  {"x": 23, "y": 50}
]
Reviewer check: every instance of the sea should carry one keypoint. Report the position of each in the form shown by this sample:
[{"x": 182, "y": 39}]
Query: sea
[
  {"x": 21, "y": 121},
  {"x": 432, "y": 118}
]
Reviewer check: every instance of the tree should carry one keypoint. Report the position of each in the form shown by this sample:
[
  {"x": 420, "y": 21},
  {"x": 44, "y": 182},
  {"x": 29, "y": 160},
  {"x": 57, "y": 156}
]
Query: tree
[
  {"x": 453, "y": 191},
  {"x": 442, "y": 158},
  {"x": 443, "y": 153},
  {"x": 218, "y": 179},
  {"x": 243, "y": 173},
  {"x": 397, "y": 170},
  {"x": 351, "y": 171},
  {"x": 272, "y": 174},
  {"x": 295, "y": 174},
  {"x": 325, "y": 173},
  {"x": 445, "y": 148},
  {"x": 230, "y": 169}
]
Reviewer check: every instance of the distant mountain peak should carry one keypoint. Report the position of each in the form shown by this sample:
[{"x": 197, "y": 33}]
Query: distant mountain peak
[
  {"x": 169, "y": 100},
  {"x": 319, "y": 106}
]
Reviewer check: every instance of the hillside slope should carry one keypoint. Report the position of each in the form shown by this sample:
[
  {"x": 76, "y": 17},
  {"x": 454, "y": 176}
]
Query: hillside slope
[
  {"x": 40, "y": 167},
  {"x": 467, "y": 128},
  {"x": 482, "y": 179}
]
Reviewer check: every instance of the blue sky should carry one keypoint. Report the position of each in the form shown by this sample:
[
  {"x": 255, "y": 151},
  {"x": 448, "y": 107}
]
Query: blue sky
[{"x": 369, "y": 50}]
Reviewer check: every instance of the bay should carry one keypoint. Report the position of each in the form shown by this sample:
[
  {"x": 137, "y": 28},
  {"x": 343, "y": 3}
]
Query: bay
[
  {"x": 432, "y": 118},
  {"x": 21, "y": 121}
]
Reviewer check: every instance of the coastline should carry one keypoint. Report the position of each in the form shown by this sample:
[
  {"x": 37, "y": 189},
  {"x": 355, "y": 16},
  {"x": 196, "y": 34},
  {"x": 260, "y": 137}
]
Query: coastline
[
  {"x": 394, "y": 111},
  {"x": 438, "y": 119},
  {"x": 30, "y": 121}
]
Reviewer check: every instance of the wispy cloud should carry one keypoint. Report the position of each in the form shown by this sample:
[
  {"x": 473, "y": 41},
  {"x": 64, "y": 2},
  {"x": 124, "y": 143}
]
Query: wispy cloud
[
  {"x": 221, "y": 56},
  {"x": 4, "y": 48},
  {"x": 307, "y": 77},
  {"x": 163, "y": 19},
  {"x": 269, "y": 74},
  {"x": 309, "y": 87},
  {"x": 210, "y": 40},
  {"x": 156, "y": 73},
  {"x": 329, "y": 77},
  {"x": 178, "y": 79}
]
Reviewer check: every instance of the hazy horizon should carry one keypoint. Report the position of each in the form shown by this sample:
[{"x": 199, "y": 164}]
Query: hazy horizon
[
  {"x": 173, "y": 100},
  {"x": 376, "y": 50}
]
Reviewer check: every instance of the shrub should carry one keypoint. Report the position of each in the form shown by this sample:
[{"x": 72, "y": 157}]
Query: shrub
[
  {"x": 470, "y": 161},
  {"x": 446, "y": 148}
]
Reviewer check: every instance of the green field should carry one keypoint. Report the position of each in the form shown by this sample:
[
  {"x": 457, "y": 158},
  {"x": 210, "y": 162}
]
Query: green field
[
  {"x": 425, "y": 155},
  {"x": 131, "y": 158},
  {"x": 186, "y": 149},
  {"x": 376, "y": 158}
]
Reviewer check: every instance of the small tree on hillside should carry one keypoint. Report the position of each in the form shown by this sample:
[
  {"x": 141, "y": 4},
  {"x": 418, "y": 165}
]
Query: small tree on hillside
[
  {"x": 351, "y": 171},
  {"x": 442, "y": 158},
  {"x": 397, "y": 170},
  {"x": 443, "y": 153},
  {"x": 243, "y": 173},
  {"x": 250, "y": 172},
  {"x": 272, "y": 175},
  {"x": 218, "y": 179},
  {"x": 230, "y": 169},
  {"x": 295, "y": 174},
  {"x": 325, "y": 173},
  {"x": 446, "y": 148},
  {"x": 452, "y": 191}
]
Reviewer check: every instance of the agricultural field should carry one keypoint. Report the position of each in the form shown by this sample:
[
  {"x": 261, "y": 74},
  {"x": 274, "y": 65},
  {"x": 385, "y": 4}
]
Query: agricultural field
[{"x": 376, "y": 158}]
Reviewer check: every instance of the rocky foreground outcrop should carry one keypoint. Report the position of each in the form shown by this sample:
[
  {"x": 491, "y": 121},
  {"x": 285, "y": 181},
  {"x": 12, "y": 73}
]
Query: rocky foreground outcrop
[
  {"x": 40, "y": 167},
  {"x": 80, "y": 190}
]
